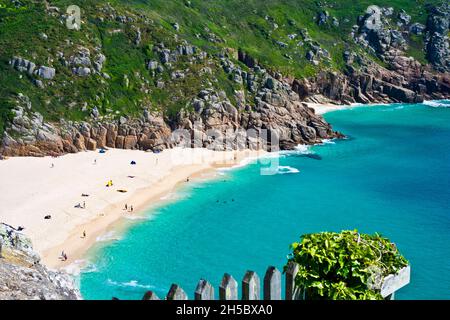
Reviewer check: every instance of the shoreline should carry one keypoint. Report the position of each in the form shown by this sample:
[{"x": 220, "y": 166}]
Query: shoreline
[
  {"x": 321, "y": 109},
  {"x": 119, "y": 219},
  {"x": 51, "y": 186},
  {"x": 106, "y": 211}
]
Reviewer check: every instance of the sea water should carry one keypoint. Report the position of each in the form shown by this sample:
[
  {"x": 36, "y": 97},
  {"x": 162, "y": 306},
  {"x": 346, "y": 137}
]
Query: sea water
[{"x": 391, "y": 175}]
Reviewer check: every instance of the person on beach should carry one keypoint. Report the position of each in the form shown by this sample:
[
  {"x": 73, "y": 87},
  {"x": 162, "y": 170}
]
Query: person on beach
[
  {"x": 84, "y": 204},
  {"x": 52, "y": 166},
  {"x": 126, "y": 206},
  {"x": 187, "y": 180},
  {"x": 131, "y": 209},
  {"x": 84, "y": 234},
  {"x": 95, "y": 161}
]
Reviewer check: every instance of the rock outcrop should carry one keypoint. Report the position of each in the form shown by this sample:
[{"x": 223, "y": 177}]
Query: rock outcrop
[
  {"x": 34, "y": 137},
  {"x": 277, "y": 109},
  {"x": 403, "y": 80},
  {"x": 196, "y": 97},
  {"x": 438, "y": 49},
  {"x": 22, "y": 277}
]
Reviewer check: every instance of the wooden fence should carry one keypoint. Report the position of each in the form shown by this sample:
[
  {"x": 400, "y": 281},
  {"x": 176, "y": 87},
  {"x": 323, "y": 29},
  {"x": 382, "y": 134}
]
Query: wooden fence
[{"x": 251, "y": 286}]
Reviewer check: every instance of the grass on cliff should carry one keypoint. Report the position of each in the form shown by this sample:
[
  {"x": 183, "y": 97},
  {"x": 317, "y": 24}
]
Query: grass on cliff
[{"x": 257, "y": 26}]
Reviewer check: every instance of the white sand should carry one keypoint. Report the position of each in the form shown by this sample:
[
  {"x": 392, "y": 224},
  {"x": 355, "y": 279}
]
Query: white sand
[
  {"x": 30, "y": 189},
  {"x": 324, "y": 108}
]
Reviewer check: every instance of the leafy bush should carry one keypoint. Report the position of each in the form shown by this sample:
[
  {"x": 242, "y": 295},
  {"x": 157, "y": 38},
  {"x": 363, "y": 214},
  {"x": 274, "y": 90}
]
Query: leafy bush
[{"x": 346, "y": 265}]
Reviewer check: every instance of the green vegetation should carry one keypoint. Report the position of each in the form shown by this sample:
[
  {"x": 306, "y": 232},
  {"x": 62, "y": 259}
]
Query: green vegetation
[
  {"x": 256, "y": 26},
  {"x": 345, "y": 265}
]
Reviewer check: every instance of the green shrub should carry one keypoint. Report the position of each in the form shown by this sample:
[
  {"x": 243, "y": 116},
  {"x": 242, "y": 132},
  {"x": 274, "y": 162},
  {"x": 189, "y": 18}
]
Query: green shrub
[{"x": 344, "y": 266}]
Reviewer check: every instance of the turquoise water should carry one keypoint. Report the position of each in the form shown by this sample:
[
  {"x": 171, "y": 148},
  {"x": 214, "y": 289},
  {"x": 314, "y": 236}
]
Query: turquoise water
[{"x": 392, "y": 176}]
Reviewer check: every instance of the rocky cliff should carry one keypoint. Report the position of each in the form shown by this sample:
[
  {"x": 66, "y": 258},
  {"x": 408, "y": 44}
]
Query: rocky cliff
[
  {"x": 23, "y": 277},
  {"x": 130, "y": 79},
  {"x": 399, "y": 78}
]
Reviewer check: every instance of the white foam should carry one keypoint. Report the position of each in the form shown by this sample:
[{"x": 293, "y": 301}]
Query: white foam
[
  {"x": 89, "y": 267},
  {"x": 305, "y": 149},
  {"x": 75, "y": 267},
  {"x": 169, "y": 196},
  {"x": 241, "y": 164},
  {"x": 298, "y": 150},
  {"x": 135, "y": 217},
  {"x": 78, "y": 266},
  {"x": 131, "y": 283},
  {"x": 287, "y": 170},
  {"x": 109, "y": 236},
  {"x": 438, "y": 103},
  {"x": 328, "y": 141}
]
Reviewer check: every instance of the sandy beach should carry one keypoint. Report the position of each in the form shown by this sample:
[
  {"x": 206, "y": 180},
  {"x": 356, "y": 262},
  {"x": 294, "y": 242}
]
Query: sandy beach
[
  {"x": 324, "y": 108},
  {"x": 33, "y": 188},
  {"x": 72, "y": 190}
]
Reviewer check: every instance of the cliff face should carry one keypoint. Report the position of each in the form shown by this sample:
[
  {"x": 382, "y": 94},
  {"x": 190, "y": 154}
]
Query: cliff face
[
  {"x": 277, "y": 109},
  {"x": 22, "y": 277},
  {"x": 129, "y": 80},
  {"x": 402, "y": 78}
]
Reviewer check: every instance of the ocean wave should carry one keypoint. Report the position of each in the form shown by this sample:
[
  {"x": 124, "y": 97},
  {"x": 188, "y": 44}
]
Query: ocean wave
[
  {"x": 80, "y": 266},
  {"x": 89, "y": 268},
  {"x": 169, "y": 196},
  {"x": 304, "y": 149},
  {"x": 131, "y": 284},
  {"x": 298, "y": 150},
  {"x": 328, "y": 141},
  {"x": 438, "y": 103},
  {"x": 287, "y": 170},
  {"x": 75, "y": 267},
  {"x": 109, "y": 236},
  {"x": 400, "y": 107},
  {"x": 135, "y": 217},
  {"x": 243, "y": 163}
]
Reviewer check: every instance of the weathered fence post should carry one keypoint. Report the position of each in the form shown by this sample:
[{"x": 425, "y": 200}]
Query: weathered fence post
[
  {"x": 204, "y": 291},
  {"x": 272, "y": 284},
  {"x": 176, "y": 293},
  {"x": 150, "y": 295},
  {"x": 250, "y": 286},
  {"x": 291, "y": 273},
  {"x": 228, "y": 289}
]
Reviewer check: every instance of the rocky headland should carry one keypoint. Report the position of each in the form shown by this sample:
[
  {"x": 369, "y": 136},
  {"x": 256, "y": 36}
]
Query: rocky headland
[
  {"x": 377, "y": 69},
  {"x": 23, "y": 277}
]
